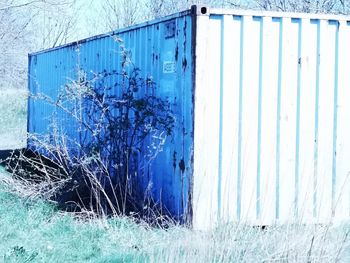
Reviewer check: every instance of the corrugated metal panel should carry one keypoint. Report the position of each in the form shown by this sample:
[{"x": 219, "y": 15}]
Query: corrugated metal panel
[
  {"x": 151, "y": 46},
  {"x": 269, "y": 108},
  {"x": 273, "y": 90}
]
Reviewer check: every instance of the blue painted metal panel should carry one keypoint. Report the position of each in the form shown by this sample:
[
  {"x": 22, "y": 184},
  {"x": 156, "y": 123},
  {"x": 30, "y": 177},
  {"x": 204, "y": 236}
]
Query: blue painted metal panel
[{"x": 152, "y": 46}]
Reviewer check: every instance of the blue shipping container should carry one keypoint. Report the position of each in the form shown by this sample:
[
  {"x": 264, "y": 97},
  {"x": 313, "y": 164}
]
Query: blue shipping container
[{"x": 261, "y": 107}]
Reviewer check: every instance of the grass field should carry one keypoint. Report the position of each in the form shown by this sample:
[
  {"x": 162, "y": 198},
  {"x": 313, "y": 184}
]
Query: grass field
[
  {"x": 33, "y": 230},
  {"x": 13, "y": 119}
]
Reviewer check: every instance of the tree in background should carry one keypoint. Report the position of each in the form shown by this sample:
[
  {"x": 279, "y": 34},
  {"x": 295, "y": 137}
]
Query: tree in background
[
  {"x": 123, "y": 13},
  {"x": 27, "y": 26},
  {"x": 55, "y": 23},
  {"x": 159, "y": 8},
  {"x": 120, "y": 13},
  {"x": 31, "y": 25},
  {"x": 306, "y": 6},
  {"x": 15, "y": 38}
]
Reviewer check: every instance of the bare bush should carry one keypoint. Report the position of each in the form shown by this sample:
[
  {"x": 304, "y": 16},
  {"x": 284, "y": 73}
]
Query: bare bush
[{"x": 119, "y": 123}]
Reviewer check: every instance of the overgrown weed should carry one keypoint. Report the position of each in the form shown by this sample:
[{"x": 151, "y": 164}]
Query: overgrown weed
[{"x": 37, "y": 230}]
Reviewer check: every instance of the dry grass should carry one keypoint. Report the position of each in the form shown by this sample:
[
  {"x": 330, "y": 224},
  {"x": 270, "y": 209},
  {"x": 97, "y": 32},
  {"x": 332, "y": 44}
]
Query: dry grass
[
  {"x": 34, "y": 230},
  {"x": 13, "y": 119}
]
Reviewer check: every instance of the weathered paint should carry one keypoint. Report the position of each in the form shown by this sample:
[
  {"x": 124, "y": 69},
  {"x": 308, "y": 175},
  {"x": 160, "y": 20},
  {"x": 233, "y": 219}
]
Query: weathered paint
[
  {"x": 261, "y": 105},
  {"x": 161, "y": 49},
  {"x": 273, "y": 88}
]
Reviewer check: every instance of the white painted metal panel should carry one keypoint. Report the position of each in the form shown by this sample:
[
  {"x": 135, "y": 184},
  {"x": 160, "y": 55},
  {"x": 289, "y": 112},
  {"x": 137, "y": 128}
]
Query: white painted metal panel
[
  {"x": 342, "y": 190},
  {"x": 325, "y": 116},
  {"x": 212, "y": 113},
  {"x": 269, "y": 91},
  {"x": 287, "y": 119},
  {"x": 231, "y": 72},
  {"x": 249, "y": 117},
  {"x": 307, "y": 117},
  {"x": 271, "y": 118},
  {"x": 205, "y": 152}
]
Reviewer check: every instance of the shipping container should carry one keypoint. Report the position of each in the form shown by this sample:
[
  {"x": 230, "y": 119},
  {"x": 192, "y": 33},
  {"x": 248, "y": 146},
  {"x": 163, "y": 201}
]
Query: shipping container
[{"x": 262, "y": 111}]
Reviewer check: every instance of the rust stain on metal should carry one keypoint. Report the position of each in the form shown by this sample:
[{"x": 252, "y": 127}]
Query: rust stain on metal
[
  {"x": 176, "y": 52},
  {"x": 184, "y": 63},
  {"x": 182, "y": 166},
  {"x": 174, "y": 160}
]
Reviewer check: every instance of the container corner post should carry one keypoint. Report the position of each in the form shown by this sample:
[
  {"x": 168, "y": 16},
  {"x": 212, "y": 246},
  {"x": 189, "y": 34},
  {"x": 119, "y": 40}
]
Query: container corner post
[{"x": 199, "y": 10}]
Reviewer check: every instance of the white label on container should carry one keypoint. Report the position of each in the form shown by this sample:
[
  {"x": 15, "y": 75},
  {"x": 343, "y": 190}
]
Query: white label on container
[{"x": 169, "y": 67}]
